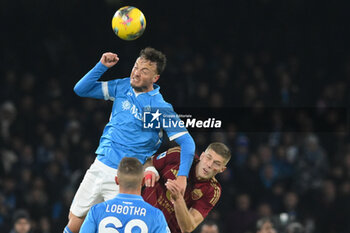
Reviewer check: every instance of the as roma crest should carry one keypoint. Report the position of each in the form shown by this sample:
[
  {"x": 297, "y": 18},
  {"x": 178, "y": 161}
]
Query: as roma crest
[{"x": 196, "y": 194}]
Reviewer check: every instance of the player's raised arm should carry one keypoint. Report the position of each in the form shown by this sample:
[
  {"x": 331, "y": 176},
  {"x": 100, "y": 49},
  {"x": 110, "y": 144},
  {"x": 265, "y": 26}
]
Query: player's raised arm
[
  {"x": 188, "y": 147},
  {"x": 89, "y": 86}
]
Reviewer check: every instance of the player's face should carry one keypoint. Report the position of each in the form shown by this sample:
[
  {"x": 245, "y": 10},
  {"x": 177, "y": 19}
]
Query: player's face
[
  {"x": 210, "y": 164},
  {"x": 143, "y": 75}
]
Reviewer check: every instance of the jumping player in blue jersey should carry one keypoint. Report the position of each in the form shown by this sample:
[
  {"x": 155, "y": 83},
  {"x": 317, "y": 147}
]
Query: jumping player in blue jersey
[
  {"x": 125, "y": 134},
  {"x": 127, "y": 212}
]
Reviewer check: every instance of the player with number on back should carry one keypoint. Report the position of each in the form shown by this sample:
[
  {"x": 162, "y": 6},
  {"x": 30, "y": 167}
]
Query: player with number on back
[
  {"x": 124, "y": 134},
  {"x": 185, "y": 213},
  {"x": 127, "y": 212}
]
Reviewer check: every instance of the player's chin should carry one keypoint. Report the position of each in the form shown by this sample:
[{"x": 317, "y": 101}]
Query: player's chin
[
  {"x": 205, "y": 175},
  {"x": 135, "y": 86}
]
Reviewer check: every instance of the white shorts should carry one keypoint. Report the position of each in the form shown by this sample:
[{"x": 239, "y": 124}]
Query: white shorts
[{"x": 97, "y": 186}]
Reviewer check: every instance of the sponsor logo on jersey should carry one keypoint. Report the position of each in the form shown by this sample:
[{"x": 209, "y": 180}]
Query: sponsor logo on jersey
[{"x": 162, "y": 155}]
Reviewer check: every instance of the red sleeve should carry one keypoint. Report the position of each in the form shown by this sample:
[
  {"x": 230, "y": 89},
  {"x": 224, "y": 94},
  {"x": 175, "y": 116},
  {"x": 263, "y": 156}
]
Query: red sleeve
[
  {"x": 209, "y": 199},
  {"x": 169, "y": 157}
]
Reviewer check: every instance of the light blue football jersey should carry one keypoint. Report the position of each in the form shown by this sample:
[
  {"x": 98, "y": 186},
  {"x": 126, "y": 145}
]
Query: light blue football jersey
[
  {"x": 126, "y": 213},
  {"x": 125, "y": 134}
]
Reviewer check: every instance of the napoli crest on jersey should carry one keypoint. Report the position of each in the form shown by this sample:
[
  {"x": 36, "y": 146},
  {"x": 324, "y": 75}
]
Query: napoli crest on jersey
[
  {"x": 126, "y": 105},
  {"x": 196, "y": 194}
]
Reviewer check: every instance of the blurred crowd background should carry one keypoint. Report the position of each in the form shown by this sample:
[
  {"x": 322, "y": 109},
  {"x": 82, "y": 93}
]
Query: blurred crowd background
[{"x": 281, "y": 54}]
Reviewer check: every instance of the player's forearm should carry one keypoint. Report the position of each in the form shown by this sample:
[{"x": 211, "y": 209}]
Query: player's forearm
[
  {"x": 89, "y": 86},
  {"x": 184, "y": 218},
  {"x": 188, "y": 146}
]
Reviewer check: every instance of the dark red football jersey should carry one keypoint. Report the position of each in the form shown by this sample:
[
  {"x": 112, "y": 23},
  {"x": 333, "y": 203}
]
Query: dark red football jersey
[{"x": 201, "y": 195}]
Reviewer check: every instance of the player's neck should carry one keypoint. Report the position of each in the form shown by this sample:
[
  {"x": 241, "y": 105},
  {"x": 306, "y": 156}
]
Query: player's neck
[
  {"x": 130, "y": 191},
  {"x": 140, "y": 91}
]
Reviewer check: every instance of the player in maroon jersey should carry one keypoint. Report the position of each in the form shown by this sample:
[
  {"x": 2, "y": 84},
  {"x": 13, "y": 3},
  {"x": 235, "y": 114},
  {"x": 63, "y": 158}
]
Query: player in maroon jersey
[{"x": 185, "y": 212}]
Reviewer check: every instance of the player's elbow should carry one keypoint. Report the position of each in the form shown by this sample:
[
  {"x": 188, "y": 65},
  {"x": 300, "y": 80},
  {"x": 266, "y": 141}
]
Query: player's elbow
[
  {"x": 78, "y": 90},
  {"x": 188, "y": 228}
]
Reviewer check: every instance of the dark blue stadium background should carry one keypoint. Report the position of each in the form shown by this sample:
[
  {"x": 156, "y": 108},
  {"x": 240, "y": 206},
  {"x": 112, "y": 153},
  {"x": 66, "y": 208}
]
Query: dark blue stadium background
[{"x": 221, "y": 54}]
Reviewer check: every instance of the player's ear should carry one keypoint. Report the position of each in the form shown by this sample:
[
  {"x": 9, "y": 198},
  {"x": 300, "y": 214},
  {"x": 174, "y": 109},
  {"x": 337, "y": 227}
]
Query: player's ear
[
  {"x": 223, "y": 169},
  {"x": 116, "y": 180},
  {"x": 143, "y": 182},
  {"x": 156, "y": 77}
]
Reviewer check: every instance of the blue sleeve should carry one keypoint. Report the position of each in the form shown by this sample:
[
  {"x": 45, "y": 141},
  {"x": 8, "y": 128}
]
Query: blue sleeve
[
  {"x": 160, "y": 225},
  {"x": 89, "y": 224},
  {"x": 171, "y": 122},
  {"x": 188, "y": 147},
  {"x": 89, "y": 86}
]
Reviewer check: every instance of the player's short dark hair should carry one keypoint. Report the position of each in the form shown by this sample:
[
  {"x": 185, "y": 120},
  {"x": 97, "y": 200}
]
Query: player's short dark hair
[
  {"x": 130, "y": 173},
  {"x": 156, "y": 56},
  {"x": 221, "y": 149},
  {"x": 130, "y": 166}
]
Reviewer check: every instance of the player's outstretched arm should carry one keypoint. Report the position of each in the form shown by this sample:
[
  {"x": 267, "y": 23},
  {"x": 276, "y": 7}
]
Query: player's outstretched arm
[
  {"x": 187, "y": 219},
  {"x": 188, "y": 147},
  {"x": 89, "y": 86}
]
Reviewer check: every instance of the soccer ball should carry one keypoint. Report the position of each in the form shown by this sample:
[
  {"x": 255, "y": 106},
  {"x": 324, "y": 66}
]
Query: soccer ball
[{"x": 128, "y": 23}]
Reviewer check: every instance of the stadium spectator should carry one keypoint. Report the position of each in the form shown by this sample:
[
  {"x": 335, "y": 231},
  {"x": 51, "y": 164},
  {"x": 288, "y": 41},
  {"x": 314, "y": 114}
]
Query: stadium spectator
[
  {"x": 242, "y": 218},
  {"x": 265, "y": 225},
  {"x": 21, "y": 222},
  {"x": 209, "y": 227}
]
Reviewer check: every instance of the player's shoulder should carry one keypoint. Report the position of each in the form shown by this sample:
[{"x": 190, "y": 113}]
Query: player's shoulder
[
  {"x": 123, "y": 81},
  {"x": 159, "y": 101},
  {"x": 174, "y": 151},
  {"x": 99, "y": 208},
  {"x": 213, "y": 190},
  {"x": 214, "y": 183},
  {"x": 150, "y": 208},
  {"x": 211, "y": 186}
]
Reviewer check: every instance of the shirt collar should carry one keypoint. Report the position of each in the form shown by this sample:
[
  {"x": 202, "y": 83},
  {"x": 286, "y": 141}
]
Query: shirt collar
[
  {"x": 155, "y": 90},
  {"x": 129, "y": 196}
]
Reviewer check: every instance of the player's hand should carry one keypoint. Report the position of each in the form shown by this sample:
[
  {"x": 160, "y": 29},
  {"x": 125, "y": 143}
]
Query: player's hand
[
  {"x": 174, "y": 188},
  {"x": 150, "y": 178},
  {"x": 109, "y": 59},
  {"x": 181, "y": 182}
]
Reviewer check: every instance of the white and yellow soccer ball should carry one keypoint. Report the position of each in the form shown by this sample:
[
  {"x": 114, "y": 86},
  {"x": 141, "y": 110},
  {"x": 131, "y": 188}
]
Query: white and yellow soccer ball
[{"x": 128, "y": 23}]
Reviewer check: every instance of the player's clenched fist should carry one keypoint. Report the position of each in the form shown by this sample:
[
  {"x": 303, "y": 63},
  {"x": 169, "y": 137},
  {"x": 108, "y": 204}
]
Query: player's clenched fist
[{"x": 109, "y": 59}]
